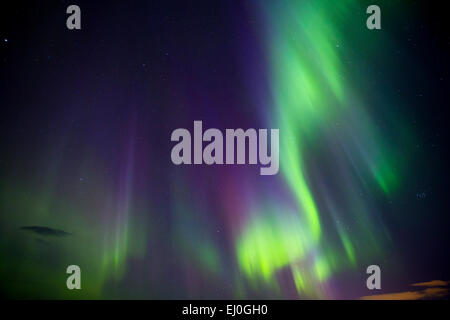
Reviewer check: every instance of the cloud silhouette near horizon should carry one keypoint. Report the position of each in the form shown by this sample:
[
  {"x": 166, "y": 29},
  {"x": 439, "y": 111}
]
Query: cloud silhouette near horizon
[
  {"x": 433, "y": 283},
  {"x": 436, "y": 289}
]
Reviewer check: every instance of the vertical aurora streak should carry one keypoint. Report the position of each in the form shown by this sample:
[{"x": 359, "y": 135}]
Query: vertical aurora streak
[{"x": 314, "y": 105}]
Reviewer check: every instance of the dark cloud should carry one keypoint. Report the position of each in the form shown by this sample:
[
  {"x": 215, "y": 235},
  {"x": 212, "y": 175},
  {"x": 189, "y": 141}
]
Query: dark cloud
[{"x": 46, "y": 231}]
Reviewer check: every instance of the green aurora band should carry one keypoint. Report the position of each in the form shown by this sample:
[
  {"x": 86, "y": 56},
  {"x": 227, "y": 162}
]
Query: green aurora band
[{"x": 314, "y": 105}]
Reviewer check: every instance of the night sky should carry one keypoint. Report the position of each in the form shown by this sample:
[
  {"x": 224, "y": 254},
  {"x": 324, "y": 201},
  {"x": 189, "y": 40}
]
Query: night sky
[{"x": 86, "y": 176}]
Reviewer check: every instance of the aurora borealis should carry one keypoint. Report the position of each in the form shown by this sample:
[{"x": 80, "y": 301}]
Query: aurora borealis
[{"x": 87, "y": 179}]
